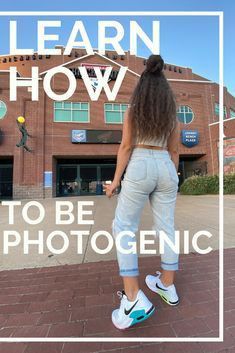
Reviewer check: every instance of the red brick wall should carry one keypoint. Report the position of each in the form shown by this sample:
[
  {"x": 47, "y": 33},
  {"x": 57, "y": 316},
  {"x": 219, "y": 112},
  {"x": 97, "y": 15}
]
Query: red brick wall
[{"x": 53, "y": 139}]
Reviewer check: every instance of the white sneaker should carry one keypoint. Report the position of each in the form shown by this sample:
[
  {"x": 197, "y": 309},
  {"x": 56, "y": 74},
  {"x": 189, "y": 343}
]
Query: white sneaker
[
  {"x": 132, "y": 312},
  {"x": 168, "y": 294}
]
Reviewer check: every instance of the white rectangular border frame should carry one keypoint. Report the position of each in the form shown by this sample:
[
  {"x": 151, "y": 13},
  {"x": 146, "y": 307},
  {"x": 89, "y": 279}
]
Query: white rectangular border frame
[{"x": 219, "y": 14}]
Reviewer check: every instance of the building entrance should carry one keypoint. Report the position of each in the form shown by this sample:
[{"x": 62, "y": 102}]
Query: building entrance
[
  {"x": 6, "y": 178},
  {"x": 189, "y": 166},
  {"x": 84, "y": 177}
]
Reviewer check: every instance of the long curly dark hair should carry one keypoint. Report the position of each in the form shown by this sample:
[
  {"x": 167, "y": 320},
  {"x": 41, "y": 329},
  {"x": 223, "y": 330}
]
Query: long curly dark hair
[{"x": 152, "y": 105}]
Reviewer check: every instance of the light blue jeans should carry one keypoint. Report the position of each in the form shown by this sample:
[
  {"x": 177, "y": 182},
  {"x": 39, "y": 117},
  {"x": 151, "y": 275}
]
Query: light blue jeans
[{"x": 150, "y": 174}]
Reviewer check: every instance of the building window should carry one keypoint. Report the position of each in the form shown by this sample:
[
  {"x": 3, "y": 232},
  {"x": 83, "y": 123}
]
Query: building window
[
  {"x": 232, "y": 113},
  {"x": 217, "y": 110},
  {"x": 3, "y": 109},
  {"x": 114, "y": 112},
  {"x": 185, "y": 114},
  {"x": 76, "y": 112}
]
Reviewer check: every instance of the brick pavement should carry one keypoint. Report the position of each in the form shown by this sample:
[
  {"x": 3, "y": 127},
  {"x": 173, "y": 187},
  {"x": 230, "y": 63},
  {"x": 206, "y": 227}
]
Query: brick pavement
[{"x": 77, "y": 300}]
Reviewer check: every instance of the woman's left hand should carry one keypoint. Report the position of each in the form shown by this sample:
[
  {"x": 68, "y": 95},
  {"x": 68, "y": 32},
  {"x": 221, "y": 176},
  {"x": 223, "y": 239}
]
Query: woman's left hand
[{"x": 110, "y": 189}]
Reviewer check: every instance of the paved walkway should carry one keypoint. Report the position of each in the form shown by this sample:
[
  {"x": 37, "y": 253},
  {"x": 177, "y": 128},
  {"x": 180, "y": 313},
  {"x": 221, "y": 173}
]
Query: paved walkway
[
  {"x": 77, "y": 300},
  {"x": 193, "y": 213}
]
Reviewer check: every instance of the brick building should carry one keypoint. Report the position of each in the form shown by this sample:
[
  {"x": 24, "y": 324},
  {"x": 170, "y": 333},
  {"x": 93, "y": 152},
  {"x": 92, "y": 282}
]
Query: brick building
[{"x": 60, "y": 165}]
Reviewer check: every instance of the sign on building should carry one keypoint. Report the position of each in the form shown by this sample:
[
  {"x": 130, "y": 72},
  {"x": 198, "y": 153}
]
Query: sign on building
[
  {"x": 189, "y": 138},
  {"x": 96, "y": 136}
]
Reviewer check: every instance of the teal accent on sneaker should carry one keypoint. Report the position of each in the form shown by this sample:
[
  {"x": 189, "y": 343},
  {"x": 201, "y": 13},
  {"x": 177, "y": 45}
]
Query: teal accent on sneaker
[
  {"x": 132, "y": 312},
  {"x": 140, "y": 315}
]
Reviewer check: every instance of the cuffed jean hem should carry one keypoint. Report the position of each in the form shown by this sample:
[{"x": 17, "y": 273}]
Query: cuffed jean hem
[
  {"x": 129, "y": 273},
  {"x": 170, "y": 267}
]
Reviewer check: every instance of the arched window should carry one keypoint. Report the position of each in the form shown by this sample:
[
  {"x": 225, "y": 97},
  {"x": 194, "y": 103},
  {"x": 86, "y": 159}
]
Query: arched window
[
  {"x": 185, "y": 114},
  {"x": 3, "y": 109}
]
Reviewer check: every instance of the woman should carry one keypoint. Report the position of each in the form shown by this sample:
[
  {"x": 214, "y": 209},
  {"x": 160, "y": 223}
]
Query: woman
[{"x": 149, "y": 149}]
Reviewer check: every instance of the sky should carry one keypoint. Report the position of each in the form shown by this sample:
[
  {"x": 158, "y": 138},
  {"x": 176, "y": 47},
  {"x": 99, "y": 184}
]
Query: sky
[{"x": 191, "y": 41}]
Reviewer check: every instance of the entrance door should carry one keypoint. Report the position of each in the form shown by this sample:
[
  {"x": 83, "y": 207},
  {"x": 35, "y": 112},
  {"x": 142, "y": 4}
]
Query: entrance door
[
  {"x": 107, "y": 173},
  {"x": 67, "y": 184},
  {"x": 181, "y": 172},
  {"x": 83, "y": 178},
  {"x": 190, "y": 166},
  {"x": 6, "y": 180},
  {"x": 88, "y": 179}
]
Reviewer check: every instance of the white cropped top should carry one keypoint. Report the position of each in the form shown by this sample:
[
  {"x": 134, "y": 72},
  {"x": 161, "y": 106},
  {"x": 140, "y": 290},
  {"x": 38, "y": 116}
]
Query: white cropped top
[
  {"x": 155, "y": 142},
  {"x": 158, "y": 142}
]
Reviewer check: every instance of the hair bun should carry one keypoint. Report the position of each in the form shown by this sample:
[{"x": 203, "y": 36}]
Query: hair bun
[{"x": 154, "y": 64}]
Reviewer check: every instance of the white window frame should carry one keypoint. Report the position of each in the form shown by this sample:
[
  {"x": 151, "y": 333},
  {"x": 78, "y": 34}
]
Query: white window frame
[
  {"x": 224, "y": 110},
  {"x": 120, "y": 111},
  {"x": 185, "y": 123},
  {"x": 71, "y": 110},
  {"x": 232, "y": 115},
  {"x": 4, "y": 105}
]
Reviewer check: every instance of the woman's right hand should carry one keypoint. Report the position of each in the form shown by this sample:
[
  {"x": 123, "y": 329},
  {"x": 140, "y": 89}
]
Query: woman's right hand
[{"x": 111, "y": 188}]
